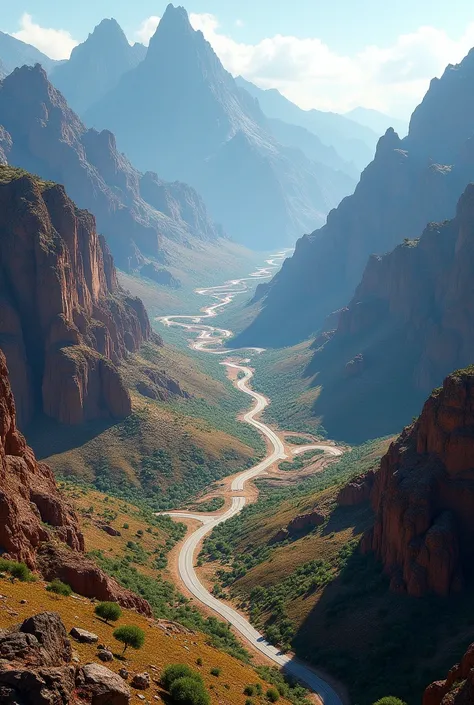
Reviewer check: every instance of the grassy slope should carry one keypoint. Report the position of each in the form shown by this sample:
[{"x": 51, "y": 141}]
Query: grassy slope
[
  {"x": 332, "y": 603},
  {"x": 166, "y": 451}
]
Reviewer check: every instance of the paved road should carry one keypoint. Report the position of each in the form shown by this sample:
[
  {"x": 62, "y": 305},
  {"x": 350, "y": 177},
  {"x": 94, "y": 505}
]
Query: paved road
[{"x": 208, "y": 338}]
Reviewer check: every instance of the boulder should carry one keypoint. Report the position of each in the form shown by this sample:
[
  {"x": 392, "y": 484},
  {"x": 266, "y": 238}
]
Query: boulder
[
  {"x": 141, "y": 681},
  {"x": 83, "y": 636},
  {"x": 105, "y": 655},
  {"x": 102, "y": 686}
]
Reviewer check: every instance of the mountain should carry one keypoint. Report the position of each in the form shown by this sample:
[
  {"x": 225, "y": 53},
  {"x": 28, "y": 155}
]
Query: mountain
[
  {"x": 423, "y": 495},
  {"x": 138, "y": 213},
  {"x": 408, "y": 324},
  {"x": 65, "y": 323},
  {"x": 377, "y": 121},
  {"x": 409, "y": 183},
  {"x": 353, "y": 142},
  {"x": 180, "y": 113},
  {"x": 15, "y": 53},
  {"x": 96, "y": 65}
]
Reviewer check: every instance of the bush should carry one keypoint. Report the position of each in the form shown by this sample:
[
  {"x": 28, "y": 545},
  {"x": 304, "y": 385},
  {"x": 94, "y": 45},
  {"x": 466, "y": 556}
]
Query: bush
[
  {"x": 60, "y": 588},
  {"x": 130, "y": 636},
  {"x": 189, "y": 691},
  {"x": 249, "y": 701},
  {"x": 125, "y": 526},
  {"x": 16, "y": 570},
  {"x": 249, "y": 690},
  {"x": 389, "y": 700},
  {"x": 110, "y": 611},
  {"x": 216, "y": 671},
  {"x": 179, "y": 670},
  {"x": 199, "y": 661},
  {"x": 272, "y": 695},
  {"x": 258, "y": 688}
]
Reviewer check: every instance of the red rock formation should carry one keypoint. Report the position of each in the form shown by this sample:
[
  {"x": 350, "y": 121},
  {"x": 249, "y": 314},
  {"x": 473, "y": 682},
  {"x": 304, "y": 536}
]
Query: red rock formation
[
  {"x": 64, "y": 322},
  {"x": 35, "y": 519},
  {"x": 356, "y": 491},
  {"x": 458, "y": 688},
  {"x": 423, "y": 494}
]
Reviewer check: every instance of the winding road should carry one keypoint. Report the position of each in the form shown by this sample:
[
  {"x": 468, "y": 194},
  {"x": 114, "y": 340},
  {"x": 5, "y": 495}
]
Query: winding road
[{"x": 210, "y": 339}]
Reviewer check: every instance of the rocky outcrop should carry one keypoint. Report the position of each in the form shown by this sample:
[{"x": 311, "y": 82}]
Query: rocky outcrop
[
  {"x": 423, "y": 495},
  {"x": 300, "y": 525},
  {"x": 49, "y": 139},
  {"x": 457, "y": 688},
  {"x": 159, "y": 275},
  {"x": 36, "y": 668},
  {"x": 410, "y": 183},
  {"x": 357, "y": 491},
  {"x": 64, "y": 323},
  {"x": 410, "y": 322}
]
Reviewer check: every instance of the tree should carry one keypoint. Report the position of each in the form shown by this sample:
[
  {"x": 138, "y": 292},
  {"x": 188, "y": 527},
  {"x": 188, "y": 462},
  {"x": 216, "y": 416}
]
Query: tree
[
  {"x": 110, "y": 611},
  {"x": 189, "y": 691},
  {"x": 178, "y": 670},
  {"x": 130, "y": 635},
  {"x": 272, "y": 695},
  {"x": 390, "y": 700}
]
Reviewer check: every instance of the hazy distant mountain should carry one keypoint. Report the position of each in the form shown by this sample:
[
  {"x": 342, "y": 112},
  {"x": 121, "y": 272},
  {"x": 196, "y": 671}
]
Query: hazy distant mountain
[
  {"x": 377, "y": 121},
  {"x": 353, "y": 141},
  {"x": 14, "y": 52},
  {"x": 410, "y": 182},
  {"x": 96, "y": 65},
  {"x": 138, "y": 213},
  {"x": 180, "y": 113}
]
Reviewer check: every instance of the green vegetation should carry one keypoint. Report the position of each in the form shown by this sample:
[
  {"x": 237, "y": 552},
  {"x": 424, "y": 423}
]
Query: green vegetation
[
  {"x": 11, "y": 173},
  {"x": 168, "y": 603},
  {"x": 178, "y": 670},
  {"x": 215, "y": 671},
  {"x": 299, "y": 440},
  {"x": 389, "y": 700},
  {"x": 249, "y": 690},
  {"x": 189, "y": 691},
  {"x": 20, "y": 571},
  {"x": 286, "y": 687},
  {"x": 210, "y": 505},
  {"x": 301, "y": 460},
  {"x": 109, "y": 611},
  {"x": 59, "y": 588},
  {"x": 272, "y": 695},
  {"x": 130, "y": 635}
]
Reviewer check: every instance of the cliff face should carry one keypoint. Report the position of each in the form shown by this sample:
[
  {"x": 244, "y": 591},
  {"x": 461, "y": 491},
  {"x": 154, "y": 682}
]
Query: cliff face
[
  {"x": 44, "y": 136},
  {"x": 457, "y": 688},
  {"x": 423, "y": 495},
  {"x": 409, "y": 183},
  {"x": 408, "y": 325},
  {"x": 64, "y": 322},
  {"x": 35, "y": 519}
]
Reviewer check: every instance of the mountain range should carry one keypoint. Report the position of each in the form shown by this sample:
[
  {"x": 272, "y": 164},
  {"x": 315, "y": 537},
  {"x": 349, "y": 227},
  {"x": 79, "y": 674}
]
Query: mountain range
[{"x": 377, "y": 121}]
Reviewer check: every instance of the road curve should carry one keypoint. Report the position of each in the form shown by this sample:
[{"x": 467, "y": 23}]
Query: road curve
[{"x": 208, "y": 338}]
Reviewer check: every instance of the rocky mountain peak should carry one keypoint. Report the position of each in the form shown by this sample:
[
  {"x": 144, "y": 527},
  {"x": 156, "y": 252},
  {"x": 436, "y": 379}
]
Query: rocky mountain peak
[
  {"x": 107, "y": 31},
  {"x": 176, "y": 41}
]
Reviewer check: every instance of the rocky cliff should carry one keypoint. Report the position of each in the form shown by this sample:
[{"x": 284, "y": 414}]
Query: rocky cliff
[
  {"x": 180, "y": 112},
  {"x": 43, "y": 135},
  {"x": 408, "y": 325},
  {"x": 457, "y": 688},
  {"x": 423, "y": 495},
  {"x": 37, "y": 525},
  {"x": 64, "y": 322},
  {"x": 409, "y": 183}
]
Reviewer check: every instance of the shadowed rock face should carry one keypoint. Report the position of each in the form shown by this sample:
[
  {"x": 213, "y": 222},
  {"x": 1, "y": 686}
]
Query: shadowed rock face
[
  {"x": 457, "y": 688},
  {"x": 410, "y": 322},
  {"x": 64, "y": 322},
  {"x": 43, "y": 135},
  {"x": 423, "y": 495},
  {"x": 410, "y": 183}
]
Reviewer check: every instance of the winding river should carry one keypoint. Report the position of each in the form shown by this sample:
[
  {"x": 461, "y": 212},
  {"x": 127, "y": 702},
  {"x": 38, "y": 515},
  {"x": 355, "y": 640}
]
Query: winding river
[{"x": 210, "y": 339}]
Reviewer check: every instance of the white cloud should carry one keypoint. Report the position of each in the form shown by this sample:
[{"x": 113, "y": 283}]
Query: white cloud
[
  {"x": 239, "y": 23},
  {"x": 147, "y": 29},
  {"x": 55, "y": 43}
]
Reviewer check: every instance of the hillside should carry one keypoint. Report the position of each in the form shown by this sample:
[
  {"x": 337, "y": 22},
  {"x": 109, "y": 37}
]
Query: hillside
[
  {"x": 15, "y": 53},
  {"x": 227, "y": 151},
  {"x": 137, "y": 213},
  {"x": 410, "y": 183}
]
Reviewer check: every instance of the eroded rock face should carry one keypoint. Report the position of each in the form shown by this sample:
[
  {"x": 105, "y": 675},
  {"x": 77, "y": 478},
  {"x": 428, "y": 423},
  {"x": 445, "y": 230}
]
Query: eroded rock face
[
  {"x": 64, "y": 322},
  {"x": 357, "y": 491},
  {"x": 458, "y": 688},
  {"x": 423, "y": 494}
]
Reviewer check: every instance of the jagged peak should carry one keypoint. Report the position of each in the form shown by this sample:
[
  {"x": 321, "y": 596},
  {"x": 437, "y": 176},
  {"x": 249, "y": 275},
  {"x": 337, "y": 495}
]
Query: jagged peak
[
  {"x": 107, "y": 32},
  {"x": 174, "y": 27}
]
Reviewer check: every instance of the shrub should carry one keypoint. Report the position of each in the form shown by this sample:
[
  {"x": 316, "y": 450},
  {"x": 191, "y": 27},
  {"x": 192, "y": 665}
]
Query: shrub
[
  {"x": 258, "y": 688},
  {"x": 249, "y": 690},
  {"x": 130, "y": 636},
  {"x": 15, "y": 569},
  {"x": 60, "y": 588},
  {"x": 216, "y": 671},
  {"x": 110, "y": 611},
  {"x": 179, "y": 670},
  {"x": 189, "y": 691},
  {"x": 249, "y": 701},
  {"x": 199, "y": 661},
  {"x": 389, "y": 700},
  {"x": 125, "y": 526},
  {"x": 272, "y": 695}
]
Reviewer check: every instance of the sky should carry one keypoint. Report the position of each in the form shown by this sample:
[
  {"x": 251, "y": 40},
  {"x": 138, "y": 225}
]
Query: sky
[{"x": 325, "y": 54}]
